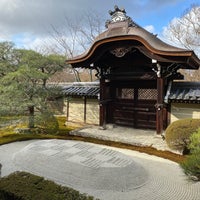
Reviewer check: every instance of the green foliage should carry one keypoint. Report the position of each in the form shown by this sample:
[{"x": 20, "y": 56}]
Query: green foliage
[
  {"x": 191, "y": 164},
  {"x": 63, "y": 129},
  {"x": 9, "y": 120},
  {"x": 8, "y": 58},
  {"x": 25, "y": 186},
  {"x": 178, "y": 133},
  {"x": 8, "y": 133},
  {"x": 195, "y": 141},
  {"x": 23, "y": 80},
  {"x": 47, "y": 123}
]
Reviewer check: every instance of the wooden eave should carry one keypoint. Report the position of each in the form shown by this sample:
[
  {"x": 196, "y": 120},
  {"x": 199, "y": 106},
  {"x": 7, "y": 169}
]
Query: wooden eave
[{"x": 149, "y": 45}]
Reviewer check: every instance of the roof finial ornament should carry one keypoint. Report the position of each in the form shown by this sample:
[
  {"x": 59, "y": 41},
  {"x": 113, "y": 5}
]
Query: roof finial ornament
[
  {"x": 119, "y": 15},
  {"x": 117, "y": 9}
]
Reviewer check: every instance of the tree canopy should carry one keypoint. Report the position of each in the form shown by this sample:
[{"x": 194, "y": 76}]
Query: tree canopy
[
  {"x": 76, "y": 38},
  {"x": 185, "y": 32},
  {"x": 24, "y": 80}
]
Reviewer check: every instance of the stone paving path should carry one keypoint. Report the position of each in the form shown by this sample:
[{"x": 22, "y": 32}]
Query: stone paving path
[
  {"x": 125, "y": 135},
  {"x": 101, "y": 171}
]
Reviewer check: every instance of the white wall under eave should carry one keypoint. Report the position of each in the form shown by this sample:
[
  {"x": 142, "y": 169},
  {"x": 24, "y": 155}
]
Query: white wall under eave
[
  {"x": 76, "y": 110},
  {"x": 184, "y": 110},
  {"x": 92, "y": 111}
]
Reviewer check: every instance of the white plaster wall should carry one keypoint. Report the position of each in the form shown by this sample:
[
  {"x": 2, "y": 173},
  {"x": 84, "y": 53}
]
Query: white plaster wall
[
  {"x": 183, "y": 110},
  {"x": 92, "y": 114},
  {"x": 76, "y": 110}
]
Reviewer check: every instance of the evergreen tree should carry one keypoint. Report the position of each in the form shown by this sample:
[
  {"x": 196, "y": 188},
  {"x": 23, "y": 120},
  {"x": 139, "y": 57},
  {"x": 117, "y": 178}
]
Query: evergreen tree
[
  {"x": 8, "y": 58},
  {"x": 23, "y": 88}
]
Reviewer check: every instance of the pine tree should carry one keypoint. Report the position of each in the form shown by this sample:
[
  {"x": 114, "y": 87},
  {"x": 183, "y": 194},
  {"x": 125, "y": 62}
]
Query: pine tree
[{"x": 23, "y": 88}]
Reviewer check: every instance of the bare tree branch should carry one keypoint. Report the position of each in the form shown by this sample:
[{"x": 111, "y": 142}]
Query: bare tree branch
[
  {"x": 185, "y": 31},
  {"x": 77, "y": 36}
]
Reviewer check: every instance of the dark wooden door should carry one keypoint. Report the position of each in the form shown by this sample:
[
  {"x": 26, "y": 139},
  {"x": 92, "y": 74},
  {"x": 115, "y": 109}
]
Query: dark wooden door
[{"x": 135, "y": 107}]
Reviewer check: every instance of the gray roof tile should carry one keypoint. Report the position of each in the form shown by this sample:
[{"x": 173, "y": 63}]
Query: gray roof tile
[
  {"x": 180, "y": 91},
  {"x": 185, "y": 91},
  {"x": 79, "y": 89}
]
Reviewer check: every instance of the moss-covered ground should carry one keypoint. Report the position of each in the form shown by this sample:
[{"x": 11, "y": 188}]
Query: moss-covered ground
[{"x": 8, "y": 135}]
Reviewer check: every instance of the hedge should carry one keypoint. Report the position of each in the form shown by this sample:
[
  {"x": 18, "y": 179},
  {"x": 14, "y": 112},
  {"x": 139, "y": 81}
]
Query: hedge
[
  {"x": 25, "y": 186},
  {"x": 178, "y": 133},
  {"x": 191, "y": 165}
]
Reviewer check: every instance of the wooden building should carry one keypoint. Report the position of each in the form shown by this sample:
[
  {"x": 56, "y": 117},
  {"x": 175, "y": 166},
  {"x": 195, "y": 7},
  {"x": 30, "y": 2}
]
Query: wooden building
[{"x": 135, "y": 69}]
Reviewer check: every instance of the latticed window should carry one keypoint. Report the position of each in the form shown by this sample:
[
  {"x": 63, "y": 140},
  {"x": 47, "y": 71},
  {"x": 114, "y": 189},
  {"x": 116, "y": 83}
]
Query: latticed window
[
  {"x": 147, "y": 94},
  {"x": 125, "y": 93}
]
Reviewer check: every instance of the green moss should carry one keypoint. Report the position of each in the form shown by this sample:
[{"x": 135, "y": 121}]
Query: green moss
[
  {"x": 8, "y": 118},
  {"x": 22, "y": 137},
  {"x": 10, "y": 136},
  {"x": 63, "y": 129},
  {"x": 25, "y": 186}
]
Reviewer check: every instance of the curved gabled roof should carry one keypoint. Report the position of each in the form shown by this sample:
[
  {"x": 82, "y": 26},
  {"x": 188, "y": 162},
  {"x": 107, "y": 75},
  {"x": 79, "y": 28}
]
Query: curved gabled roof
[{"x": 146, "y": 42}]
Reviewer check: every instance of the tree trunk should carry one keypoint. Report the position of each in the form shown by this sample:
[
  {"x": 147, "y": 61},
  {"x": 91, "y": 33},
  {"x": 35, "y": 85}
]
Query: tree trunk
[{"x": 31, "y": 123}]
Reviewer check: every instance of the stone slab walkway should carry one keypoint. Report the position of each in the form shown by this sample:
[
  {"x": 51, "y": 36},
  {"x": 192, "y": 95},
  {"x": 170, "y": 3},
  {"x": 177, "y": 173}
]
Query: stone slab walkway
[
  {"x": 125, "y": 135},
  {"x": 101, "y": 171}
]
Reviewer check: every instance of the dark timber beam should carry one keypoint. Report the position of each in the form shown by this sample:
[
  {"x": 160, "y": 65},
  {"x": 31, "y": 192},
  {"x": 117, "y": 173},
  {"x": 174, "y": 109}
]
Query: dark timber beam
[
  {"x": 85, "y": 109},
  {"x": 159, "y": 105},
  {"x": 102, "y": 114}
]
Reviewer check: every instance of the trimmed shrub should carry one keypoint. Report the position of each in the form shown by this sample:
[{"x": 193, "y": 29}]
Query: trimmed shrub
[
  {"x": 178, "y": 133},
  {"x": 195, "y": 141},
  {"x": 191, "y": 165},
  {"x": 25, "y": 186}
]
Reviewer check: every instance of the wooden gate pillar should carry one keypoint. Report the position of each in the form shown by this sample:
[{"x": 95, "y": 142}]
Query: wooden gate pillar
[
  {"x": 102, "y": 114},
  {"x": 159, "y": 106}
]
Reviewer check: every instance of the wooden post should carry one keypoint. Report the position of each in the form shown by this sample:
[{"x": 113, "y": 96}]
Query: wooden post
[
  {"x": 159, "y": 106},
  {"x": 102, "y": 114},
  {"x": 67, "y": 109},
  {"x": 85, "y": 102}
]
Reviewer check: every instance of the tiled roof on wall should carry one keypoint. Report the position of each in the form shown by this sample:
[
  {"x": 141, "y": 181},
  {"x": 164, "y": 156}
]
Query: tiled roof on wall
[
  {"x": 177, "y": 92},
  {"x": 89, "y": 89},
  {"x": 185, "y": 92}
]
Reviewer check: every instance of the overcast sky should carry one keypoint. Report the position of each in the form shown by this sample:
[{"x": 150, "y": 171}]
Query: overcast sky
[{"x": 25, "y": 21}]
